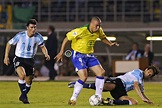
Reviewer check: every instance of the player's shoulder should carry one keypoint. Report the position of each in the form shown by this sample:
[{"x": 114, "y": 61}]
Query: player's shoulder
[
  {"x": 21, "y": 33},
  {"x": 78, "y": 30},
  {"x": 82, "y": 28},
  {"x": 137, "y": 72},
  {"x": 100, "y": 30}
]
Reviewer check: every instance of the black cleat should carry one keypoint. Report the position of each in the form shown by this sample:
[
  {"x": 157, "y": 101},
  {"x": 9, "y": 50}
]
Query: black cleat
[
  {"x": 107, "y": 101},
  {"x": 71, "y": 84},
  {"x": 24, "y": 100}
]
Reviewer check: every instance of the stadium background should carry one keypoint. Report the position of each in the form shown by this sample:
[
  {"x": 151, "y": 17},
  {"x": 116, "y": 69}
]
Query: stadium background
[{"x": 127, "y": 20}]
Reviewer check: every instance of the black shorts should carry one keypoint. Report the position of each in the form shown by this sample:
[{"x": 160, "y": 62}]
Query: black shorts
[
  {"x": 26, "y": 63},
  {"x": 119, "y": 89}
]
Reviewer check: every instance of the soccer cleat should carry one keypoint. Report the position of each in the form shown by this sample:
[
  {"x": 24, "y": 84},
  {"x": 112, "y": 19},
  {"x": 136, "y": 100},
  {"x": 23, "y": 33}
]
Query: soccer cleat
[
  {"x": 107, "y": 101},
  {"x": 72, "y": 102},
  {"x": 24, "y": 100},
  {"x": 71, "y": 84}
]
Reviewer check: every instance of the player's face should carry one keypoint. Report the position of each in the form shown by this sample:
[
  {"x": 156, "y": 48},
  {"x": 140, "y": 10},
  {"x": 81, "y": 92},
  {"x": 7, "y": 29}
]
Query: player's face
[
  {"x": 148, "y": 73},
  {"x": 31, "y": 29},
  {"x": 95, "y": 26},
  {"x": 134, "y": 47}
]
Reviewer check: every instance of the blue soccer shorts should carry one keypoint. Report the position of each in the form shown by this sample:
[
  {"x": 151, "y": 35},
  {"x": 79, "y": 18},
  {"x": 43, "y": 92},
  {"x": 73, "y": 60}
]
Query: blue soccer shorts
[{"x": 83, "y": 61}]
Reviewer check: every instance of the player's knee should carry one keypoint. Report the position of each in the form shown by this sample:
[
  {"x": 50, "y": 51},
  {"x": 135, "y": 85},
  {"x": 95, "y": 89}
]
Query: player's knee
[
  {"x": 28, "y": 81},
  {"x": 21, "y": 76},
  {"x": 84, "y": 78},
  {"x": 102, "y": 72}
]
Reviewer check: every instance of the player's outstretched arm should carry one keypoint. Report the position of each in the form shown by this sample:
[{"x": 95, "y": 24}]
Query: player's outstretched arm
[
  {"x": 7, "y": 51},
  {"x": 45, "y": 52},
  {"x": 149, "y": 101},
  {"x": 106, "y": 41},
  {"x": 60, "y": 54},
  {"x": 137, "y": 88}
]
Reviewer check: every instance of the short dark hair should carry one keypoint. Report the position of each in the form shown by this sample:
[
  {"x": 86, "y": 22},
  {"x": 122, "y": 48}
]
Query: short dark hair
[
  {"x": 31, "y": 21},
  {"x": 96, "y": 18},
  {"x": 155, "y": 69},
  {"x": 135, "y": 43},
  {"x": 52, "y": 28}
]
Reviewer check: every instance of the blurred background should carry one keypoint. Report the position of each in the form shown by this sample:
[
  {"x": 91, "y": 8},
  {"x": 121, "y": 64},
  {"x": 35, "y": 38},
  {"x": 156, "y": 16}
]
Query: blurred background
[{"x": 125, "y": 21}]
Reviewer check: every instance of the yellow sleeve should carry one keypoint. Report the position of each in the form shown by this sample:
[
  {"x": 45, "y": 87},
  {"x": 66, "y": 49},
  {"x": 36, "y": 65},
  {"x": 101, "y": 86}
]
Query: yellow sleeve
[
  {"x": 73, "y": 34},
  {"x": 102, "y": 34}
]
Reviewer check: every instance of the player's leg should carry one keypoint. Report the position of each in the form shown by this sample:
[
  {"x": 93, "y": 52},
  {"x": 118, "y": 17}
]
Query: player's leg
[
  {"x": 25, "y": 71},
  {"x": 120, "y": 95},
  {"x": 123, "y": 100},
  {"x": 78, "y": 86},
  {"x": 20, "y": 70},
  {"x": 21, "y": 74},
  {"x": 21, "y": 82},
  {"x": 85, "y": 85},
  {"x": 71, "y": 84},
  {"x": 79, "y": 62},
  {"x": 99, "y": 83},
  {"x": 94, "y": 65},
  {"x": 28, "y": 80},
  {"x": 29, "y": 75},
  {"x": 108, "y": 86},
  {"x": 128, "y": 100}
]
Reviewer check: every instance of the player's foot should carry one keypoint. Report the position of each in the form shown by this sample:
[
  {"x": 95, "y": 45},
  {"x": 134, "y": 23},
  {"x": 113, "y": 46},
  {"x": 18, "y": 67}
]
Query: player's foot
[
  {"x": 107, "y": 101},
  {"x": 71, "y": 84},
  {"x": 24, "y": 100},
  {"x": 72, "y": 102}
]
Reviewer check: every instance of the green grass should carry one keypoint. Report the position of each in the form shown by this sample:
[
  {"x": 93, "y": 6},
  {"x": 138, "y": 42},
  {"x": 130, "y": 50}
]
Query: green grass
[{"x": 57, "y": 94}]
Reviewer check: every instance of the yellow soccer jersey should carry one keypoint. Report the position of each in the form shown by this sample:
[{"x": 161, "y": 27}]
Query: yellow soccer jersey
[{"x": 83, "y": 40}]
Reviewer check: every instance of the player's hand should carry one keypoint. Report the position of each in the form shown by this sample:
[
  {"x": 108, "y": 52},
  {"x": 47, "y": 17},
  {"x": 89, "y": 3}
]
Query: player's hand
[
  {"x": 47, "y": 57},
  {"x": 114, "y": 43},
  {"x": 59, "y": 57},
  {"x": 6, "y": 61},
  {"x": 147, "y": 101},
  {"x": 150, "y": 102}
]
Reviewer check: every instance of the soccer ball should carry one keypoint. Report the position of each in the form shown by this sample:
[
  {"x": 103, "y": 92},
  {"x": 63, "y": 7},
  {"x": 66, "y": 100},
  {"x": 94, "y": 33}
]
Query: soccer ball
[{"x": 95, "y": 100}]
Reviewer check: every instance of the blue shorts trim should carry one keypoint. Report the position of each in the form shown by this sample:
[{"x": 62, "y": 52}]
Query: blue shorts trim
[
  {"x": 83, "y": 61},
  {"x": 80, "y": 81},
  {"x": 99, "y": 77}
]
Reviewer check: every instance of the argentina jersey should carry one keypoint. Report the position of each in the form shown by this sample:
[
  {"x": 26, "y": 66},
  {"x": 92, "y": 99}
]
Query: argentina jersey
[
  {"x": 129, "y": 78},
  {"x": 26, "y": 46}
]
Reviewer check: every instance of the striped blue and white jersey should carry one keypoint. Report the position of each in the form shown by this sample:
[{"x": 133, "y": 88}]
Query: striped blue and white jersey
[
  {"x": 129, "y": 78},
  {"x": 26, "y": 47}
]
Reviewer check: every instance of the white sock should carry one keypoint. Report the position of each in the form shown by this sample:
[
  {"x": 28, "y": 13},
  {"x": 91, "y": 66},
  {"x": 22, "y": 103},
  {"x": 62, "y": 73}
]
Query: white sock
[
  {"x": 130, "y": 103},
  {"x": 27, "y": 85},
  {"x": 21, "y": 81},
  {"x": 99, "y": 86},
  {"x": 77, "y": 89}
]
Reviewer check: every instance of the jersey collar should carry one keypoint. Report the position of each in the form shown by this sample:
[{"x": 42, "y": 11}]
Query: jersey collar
[{"x": 89, "y": 29}]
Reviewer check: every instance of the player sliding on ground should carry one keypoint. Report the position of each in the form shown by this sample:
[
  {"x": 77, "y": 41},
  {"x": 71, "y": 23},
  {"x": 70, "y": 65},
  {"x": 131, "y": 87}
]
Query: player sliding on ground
[{"x": 119, "y": 86}]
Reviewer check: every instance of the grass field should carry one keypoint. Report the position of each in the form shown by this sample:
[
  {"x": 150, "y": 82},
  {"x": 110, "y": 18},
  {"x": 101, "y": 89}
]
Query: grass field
[{"x": 57, "y": 94}]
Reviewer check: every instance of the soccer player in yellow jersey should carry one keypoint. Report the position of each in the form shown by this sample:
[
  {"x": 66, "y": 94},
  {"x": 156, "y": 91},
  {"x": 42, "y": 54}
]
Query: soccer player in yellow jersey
[{"x": 83, "y": 40}]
